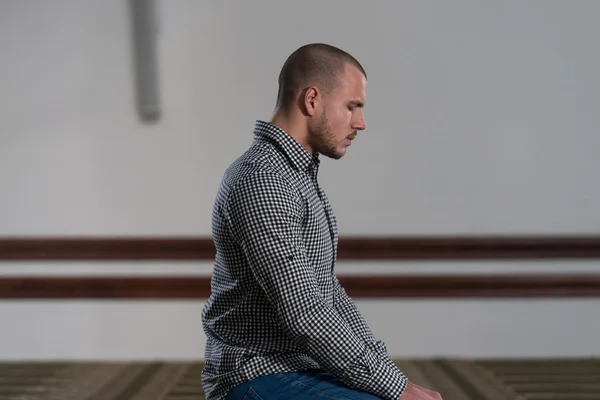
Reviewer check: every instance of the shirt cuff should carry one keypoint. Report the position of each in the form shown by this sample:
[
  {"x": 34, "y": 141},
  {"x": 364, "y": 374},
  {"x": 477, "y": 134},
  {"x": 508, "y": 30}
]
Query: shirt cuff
[
  {"x": 388, "y": 382},
  {"x": 378, "y": 376}
]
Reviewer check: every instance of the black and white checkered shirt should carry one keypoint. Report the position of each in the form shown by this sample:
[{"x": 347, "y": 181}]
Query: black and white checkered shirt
[{"x": 276, "y": 304}]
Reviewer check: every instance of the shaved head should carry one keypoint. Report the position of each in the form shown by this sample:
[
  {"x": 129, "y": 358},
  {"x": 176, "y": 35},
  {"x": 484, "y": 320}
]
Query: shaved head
[
  {"x": 322, "y": 92},
  {"x": 315, "y": 64}
]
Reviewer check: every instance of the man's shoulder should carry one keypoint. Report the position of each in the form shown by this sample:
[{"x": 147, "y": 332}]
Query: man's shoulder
[
  {"x": 256, "y": 183},
  {"x": 258, "y": 166}
]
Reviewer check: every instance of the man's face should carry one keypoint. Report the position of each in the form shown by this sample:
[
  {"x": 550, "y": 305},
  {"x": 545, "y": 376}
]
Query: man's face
[{"x": 341, "y": 115}]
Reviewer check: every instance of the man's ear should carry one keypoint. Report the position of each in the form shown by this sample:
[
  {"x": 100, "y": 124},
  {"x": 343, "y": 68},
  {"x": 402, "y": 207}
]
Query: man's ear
[{"x": 311, "y": 97}]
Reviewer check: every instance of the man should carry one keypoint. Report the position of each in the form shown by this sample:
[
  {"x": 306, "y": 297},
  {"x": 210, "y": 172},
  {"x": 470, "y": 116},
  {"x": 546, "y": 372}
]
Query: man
[{"x": 278, "y": 323}]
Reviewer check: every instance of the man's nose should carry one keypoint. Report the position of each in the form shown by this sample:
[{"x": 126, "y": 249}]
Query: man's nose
[{"x": 359, "y": 123}]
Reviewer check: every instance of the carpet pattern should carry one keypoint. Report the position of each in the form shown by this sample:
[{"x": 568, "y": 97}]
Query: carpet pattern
[{"x": 455, "y": 379}]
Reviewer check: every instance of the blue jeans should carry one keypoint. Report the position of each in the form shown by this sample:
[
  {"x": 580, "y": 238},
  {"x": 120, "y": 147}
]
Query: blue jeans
[{"x": 312, "y": 384}]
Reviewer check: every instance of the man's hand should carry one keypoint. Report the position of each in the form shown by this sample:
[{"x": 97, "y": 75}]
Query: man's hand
[{"x": 416, "y": 392}]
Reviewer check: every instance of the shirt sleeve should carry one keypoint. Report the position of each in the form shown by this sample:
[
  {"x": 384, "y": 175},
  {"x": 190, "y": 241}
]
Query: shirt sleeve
[
  {"x": 265, "y": 215},
  {"x": 350, "y": 313}
]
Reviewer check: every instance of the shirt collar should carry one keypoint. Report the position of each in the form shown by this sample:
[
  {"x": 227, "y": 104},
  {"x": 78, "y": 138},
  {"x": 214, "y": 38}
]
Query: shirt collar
[{"x": 299, "y": 157}]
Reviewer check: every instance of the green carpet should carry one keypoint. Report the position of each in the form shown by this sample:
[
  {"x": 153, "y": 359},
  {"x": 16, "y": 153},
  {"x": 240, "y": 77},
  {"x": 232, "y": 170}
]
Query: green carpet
[{"x": 455, "y": 379}]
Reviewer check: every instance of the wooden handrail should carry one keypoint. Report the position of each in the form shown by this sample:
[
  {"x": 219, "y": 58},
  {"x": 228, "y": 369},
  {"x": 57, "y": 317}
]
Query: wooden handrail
[
  {"x": 395, "y": 286},
  {"x": 350, "y": 248}
]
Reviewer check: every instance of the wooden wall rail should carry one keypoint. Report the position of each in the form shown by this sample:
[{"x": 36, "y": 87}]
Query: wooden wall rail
[
  {"x": 350, "y": 248},
  {"x": 409, "y": 286}
]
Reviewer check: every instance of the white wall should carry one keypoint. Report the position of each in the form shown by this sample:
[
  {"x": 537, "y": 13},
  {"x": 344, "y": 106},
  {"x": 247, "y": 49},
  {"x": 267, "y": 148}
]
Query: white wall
[{"x": 481, "y": 119}]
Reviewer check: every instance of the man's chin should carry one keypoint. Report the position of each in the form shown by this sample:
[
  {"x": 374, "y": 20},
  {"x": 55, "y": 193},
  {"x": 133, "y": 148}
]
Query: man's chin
[{"x": 335, "y": 154}]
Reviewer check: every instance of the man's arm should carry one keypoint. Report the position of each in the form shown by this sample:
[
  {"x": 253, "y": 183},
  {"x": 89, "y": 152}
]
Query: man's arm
[
  {"x": 266, "y": 220},
  {"x": 348, "y": 310}
]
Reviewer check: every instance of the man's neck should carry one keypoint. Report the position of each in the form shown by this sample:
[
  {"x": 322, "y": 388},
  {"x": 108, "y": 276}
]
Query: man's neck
[{"x": 293, "y": 126}]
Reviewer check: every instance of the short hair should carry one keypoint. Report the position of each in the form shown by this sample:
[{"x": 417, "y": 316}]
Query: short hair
[{"x": 316, "y": 64}]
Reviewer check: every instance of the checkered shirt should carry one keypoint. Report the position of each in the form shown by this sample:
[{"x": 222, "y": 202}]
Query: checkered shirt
[{"x": 276, "y": 305}]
